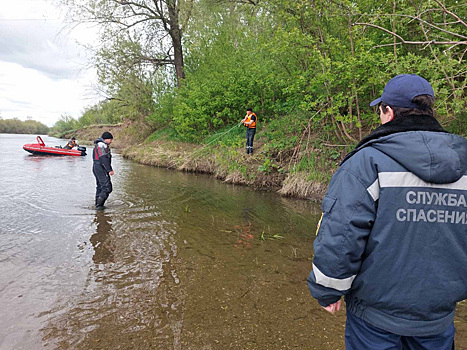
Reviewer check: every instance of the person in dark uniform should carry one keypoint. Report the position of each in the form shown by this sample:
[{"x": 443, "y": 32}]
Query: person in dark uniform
[
  {"x": 250, "y": 122},
  {"x": 392, "y": 239},
  {"x": 72, "y": 143},
  {"x": 102, "y": 168}
]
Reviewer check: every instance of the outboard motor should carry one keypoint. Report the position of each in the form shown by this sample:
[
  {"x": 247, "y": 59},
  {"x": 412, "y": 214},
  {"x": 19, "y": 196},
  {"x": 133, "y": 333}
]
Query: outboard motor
[{"x": 82, "y": 149}]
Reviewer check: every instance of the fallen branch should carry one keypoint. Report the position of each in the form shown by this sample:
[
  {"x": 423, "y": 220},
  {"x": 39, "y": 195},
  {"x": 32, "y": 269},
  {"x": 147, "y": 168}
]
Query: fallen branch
[{"x": 331, "y": 145}]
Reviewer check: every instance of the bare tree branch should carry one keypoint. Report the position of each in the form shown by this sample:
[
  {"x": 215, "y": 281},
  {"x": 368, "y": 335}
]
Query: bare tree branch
[
  {"x": 403, "y": 41},
  {"x": 159, "y": 19},
  {"x": 417, "y": 18},
  {"x": 453, "y": 87},
  {"x": 451, "y": 13}
]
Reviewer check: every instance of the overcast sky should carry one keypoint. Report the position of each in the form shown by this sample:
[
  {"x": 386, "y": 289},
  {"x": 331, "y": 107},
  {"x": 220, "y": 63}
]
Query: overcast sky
[{"x": 43, "y": 72}]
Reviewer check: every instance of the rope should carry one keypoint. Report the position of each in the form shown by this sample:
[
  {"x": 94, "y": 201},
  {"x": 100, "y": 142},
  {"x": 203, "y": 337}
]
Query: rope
[
  {"x": 220, "y": 134},
  {"x": 200, "y": 149}
]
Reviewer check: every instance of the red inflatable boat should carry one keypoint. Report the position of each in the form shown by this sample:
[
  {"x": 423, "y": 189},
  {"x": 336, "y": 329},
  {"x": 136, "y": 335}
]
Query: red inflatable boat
[{"x": 40, "y": 148}]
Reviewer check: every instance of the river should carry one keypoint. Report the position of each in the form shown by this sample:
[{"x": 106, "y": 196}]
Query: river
[{"x": 175, "y": 261}]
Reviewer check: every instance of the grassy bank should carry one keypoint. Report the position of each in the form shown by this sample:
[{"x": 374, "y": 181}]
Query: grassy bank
[
  {"x": 289, "y": 171},
  {"x": 125, "y": 134},
  {"x": 290, "y": 156},
  {"x": 275, "y": 165}
]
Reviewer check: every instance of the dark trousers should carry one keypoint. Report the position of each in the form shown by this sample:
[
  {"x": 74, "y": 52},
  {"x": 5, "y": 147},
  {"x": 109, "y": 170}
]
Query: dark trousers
[
  {"x": 103, "y": 183},
  {"x": 250, "y": 135},
  {"x": 360, "y": 335}
]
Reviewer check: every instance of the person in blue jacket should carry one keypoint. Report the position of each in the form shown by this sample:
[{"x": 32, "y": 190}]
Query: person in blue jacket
[
  {"x": 102, "y": 168},
  {"x": 393, "y": 236}
]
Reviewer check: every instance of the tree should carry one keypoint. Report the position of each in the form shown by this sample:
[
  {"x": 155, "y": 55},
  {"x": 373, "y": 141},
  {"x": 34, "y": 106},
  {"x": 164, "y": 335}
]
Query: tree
[
  {"x": 317, "y": 63},
  {"x": 154, "y": 25},
  {"x": 433, "y": 30},
  {"x": 16, "y": 126},
  {"x": 65, "y": 123}
]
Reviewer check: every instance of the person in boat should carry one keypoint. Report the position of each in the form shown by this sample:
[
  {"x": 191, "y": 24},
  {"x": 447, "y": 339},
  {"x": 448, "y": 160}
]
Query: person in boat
[
  {"x": 71, "y": 144},
  {"x": 392, "y": 239},
  {"x": 102, "y": 168}
]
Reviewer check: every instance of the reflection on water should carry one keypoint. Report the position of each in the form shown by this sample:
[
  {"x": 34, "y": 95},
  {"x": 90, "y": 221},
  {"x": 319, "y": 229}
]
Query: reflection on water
[
  {"x": 101, "y": 240},
  {"x": 176, "y": 261},
  {"x": 131, "y": 295}
]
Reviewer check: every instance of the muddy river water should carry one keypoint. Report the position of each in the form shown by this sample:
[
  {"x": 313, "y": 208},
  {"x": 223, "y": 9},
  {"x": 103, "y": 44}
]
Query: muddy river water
[{"x": 175, "y": 261}]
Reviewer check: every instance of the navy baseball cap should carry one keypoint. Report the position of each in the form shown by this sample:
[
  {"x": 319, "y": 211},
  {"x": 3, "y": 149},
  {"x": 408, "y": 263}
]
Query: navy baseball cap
[
  {"x": 107, "y": 135},
  {"x": 400, "y": 91}
]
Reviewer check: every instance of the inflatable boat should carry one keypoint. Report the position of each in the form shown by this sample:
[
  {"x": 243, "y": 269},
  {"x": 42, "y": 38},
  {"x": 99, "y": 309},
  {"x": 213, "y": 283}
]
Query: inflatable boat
[{"x": 40, "y": 148}]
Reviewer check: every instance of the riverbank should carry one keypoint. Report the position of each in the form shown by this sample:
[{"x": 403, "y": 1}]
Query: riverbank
[{"x": 223, "y": 156}]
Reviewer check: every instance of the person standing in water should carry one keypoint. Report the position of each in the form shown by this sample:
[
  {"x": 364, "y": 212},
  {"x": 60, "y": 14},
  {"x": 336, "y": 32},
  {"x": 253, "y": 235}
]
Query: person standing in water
[{"x": 102, "y": 168}]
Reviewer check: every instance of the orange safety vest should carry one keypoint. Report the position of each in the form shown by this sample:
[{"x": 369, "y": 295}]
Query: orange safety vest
[
  {"x": 248, "y": 119},
  {"x": 71, "y": 144}
]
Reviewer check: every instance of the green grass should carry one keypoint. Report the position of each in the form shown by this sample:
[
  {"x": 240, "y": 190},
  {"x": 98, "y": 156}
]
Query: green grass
[{"x": 167, "y": 134}]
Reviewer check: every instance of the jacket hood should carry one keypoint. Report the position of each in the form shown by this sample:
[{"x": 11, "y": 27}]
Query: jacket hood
[
  {"x": 100, "y": 139},
  {"x": 435, "y": 157}
]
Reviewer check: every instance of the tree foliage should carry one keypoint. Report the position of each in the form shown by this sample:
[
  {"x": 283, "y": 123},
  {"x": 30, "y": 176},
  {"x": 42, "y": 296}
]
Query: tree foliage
[
  {"x": 16, "y": 126},
  {"x": 151, "y": 30},
  {"x": 318, "y": 63},
  {"x": 65, "y": 123}
]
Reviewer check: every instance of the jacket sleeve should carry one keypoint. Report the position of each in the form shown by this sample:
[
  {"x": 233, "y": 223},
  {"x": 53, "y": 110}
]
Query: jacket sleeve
[
  {"x": 348, "y": 216},
  {"x": 104, "y": 157}
]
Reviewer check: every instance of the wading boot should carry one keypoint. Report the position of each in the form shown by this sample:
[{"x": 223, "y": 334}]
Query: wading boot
[{"x": 100, "y": 203}]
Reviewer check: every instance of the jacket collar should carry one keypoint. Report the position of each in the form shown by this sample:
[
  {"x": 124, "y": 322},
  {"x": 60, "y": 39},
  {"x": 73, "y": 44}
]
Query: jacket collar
[
  {"x": 408, "y": 123},
  {"x": 402, "y": 124}
]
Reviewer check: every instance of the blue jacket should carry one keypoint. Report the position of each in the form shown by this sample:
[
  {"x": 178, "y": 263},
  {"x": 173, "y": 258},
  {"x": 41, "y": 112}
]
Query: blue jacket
[{"x": 393, "y": 236}]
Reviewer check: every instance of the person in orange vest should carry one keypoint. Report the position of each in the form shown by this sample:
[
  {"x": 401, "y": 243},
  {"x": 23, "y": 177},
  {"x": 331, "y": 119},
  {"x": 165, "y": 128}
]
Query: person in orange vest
[
  {"x": 72, "y": 143},
  {"x": 250, "y": 121}
]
